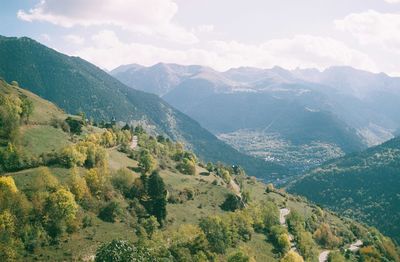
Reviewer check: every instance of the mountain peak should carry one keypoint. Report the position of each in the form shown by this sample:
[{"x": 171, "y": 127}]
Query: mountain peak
[{"x": 124, "y": 68}]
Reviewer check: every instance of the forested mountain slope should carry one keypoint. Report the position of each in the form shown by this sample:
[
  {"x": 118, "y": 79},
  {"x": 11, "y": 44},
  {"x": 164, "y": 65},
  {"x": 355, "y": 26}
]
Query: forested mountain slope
[
  {"x": 78, "y": 86},
  {"x": 364, "y": 186}
]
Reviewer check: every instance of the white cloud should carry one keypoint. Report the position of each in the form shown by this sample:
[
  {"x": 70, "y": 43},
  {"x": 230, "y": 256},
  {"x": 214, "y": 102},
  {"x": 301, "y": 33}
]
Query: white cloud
[
  {"x": 373, "y": 27},
  {"x": 74, "y": 39},
  {"x": 205, "y": 28},
  {"x": 300, "y": 51},
  {"x": 150, "y": 17},
  {"x": 108, "y": 51},
  {"x": 45, "y": 37},
  {"x": 392, "y": 1}
]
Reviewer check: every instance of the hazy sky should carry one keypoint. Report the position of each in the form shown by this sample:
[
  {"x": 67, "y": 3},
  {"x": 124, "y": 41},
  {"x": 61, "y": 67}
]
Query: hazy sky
[{"x": 218, "y": 33}]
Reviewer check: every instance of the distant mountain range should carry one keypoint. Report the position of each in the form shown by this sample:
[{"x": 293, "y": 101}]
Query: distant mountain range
[
  {"x": 326, "y": 114},
  {"x": 76, "y": 85},
  {"x": 364, "y": 186}
]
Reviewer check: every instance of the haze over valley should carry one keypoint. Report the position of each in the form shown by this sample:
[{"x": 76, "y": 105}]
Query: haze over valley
[{"x": 300, "y": 118}]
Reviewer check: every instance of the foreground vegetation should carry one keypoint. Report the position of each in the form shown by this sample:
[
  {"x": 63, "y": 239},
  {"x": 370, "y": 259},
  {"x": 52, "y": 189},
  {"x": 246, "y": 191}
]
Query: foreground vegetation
[{"x": 92, "y": 195}]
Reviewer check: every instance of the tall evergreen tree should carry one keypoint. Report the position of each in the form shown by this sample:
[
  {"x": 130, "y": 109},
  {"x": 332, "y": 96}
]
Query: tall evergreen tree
[{"x": 157, "y": 194}]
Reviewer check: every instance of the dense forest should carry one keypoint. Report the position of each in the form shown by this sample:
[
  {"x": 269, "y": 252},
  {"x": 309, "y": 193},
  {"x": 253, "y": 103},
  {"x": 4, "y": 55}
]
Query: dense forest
[{"x": 364, "y": 186}]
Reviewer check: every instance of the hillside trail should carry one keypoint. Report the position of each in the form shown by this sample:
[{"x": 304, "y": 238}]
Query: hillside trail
[
  {"x": 232, "y": 185},
  {"x": 323, "y": 256},
  {"x": 283, "y": 212},
  {"x": 134, "y": 142}
]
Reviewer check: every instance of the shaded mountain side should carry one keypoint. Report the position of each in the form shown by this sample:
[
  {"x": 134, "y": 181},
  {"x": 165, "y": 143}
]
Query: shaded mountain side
[
  {"x": 264, "y": 111},
  {"x": 365, "y": 101},
  {"x": 364, "y": 186},
  {"x": 76, "y": 85},
  {"x": 296, "y": 106}
]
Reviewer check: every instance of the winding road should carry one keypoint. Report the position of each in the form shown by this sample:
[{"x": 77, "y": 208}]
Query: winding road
[{"x": 323, "y": 256}]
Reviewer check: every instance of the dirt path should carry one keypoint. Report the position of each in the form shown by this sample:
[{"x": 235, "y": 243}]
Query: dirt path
[
  {"x": 234, "y": 187},
  {"x": 134, "y": 142},
  {"x": 323, "y": 256},
  {"x": 283, "y": 212},
  {"x": 355, "y": 246}
]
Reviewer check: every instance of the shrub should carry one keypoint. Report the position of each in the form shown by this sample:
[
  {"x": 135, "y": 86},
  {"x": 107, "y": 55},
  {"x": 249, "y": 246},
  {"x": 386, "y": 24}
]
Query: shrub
[
  {"x": 369, "y": 253},
  {"x": 292, "y": 256},
  {"x": 307, "y": 246},
  {"x": 325, "y": 237},
  {"x": 217, "y": 233},
  {"x": 61, "y": 210},
  {"x": 269, "y": 188},
  {"x": 187, "y": 167},
  {"x": 27, "y": 109},
  {"x": 238, "y": 257},
  {"x": 146, "y": 161},
  {"x": 335, "y": 256},
  {"x": 110, "y": 212},
  {"x": 123, "y": 180},
  {"x": 78, "y": 186},
  {"x": 7, "y": 185},
  {"x": 232, "y": 203},
  {"x": 241, "y": 224},
  {"x": 225, "y": 176},
  {"x": 108, "y": 139},
  {"x": 96, "y": 181},
  {"x": 95, "y": 155},
  {"x": 75, "y": 125},
  {"x": 116, "y": 251},
  {"x": 87, "y": 221},
  {"x": 295, "y": 223},
  {"x": 44, "y": 181},
  {"x": 71, "y": 157},
  {"x": 280, "y": 238},
  {"x": 150, "y": 225}
]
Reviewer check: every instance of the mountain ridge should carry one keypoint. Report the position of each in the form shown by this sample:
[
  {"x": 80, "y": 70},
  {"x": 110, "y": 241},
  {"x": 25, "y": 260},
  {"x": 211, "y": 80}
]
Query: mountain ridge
[
  {"x": 76, "y": 85},
  {"x": 363, "y": 105}
]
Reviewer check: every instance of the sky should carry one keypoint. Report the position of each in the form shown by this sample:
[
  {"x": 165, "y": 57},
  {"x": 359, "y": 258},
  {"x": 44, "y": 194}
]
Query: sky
[{"x": 221, "y": 34}]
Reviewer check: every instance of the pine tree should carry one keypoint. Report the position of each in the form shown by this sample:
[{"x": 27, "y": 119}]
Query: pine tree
[{"x": 157, "y": 194}]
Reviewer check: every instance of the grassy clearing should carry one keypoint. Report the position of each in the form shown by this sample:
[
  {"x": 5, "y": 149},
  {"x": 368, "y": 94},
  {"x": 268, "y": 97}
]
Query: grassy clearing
[
  {"x": 117, "y": 160},
  {"x": 44, "y": 110},
  {"x": 258, "y": 248},
  {"x": 206, "y": 202},
  {"x": 25, "y": 177},
  {"x": 43, "y": 139},
  {"x": 81, "y": 245}
]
